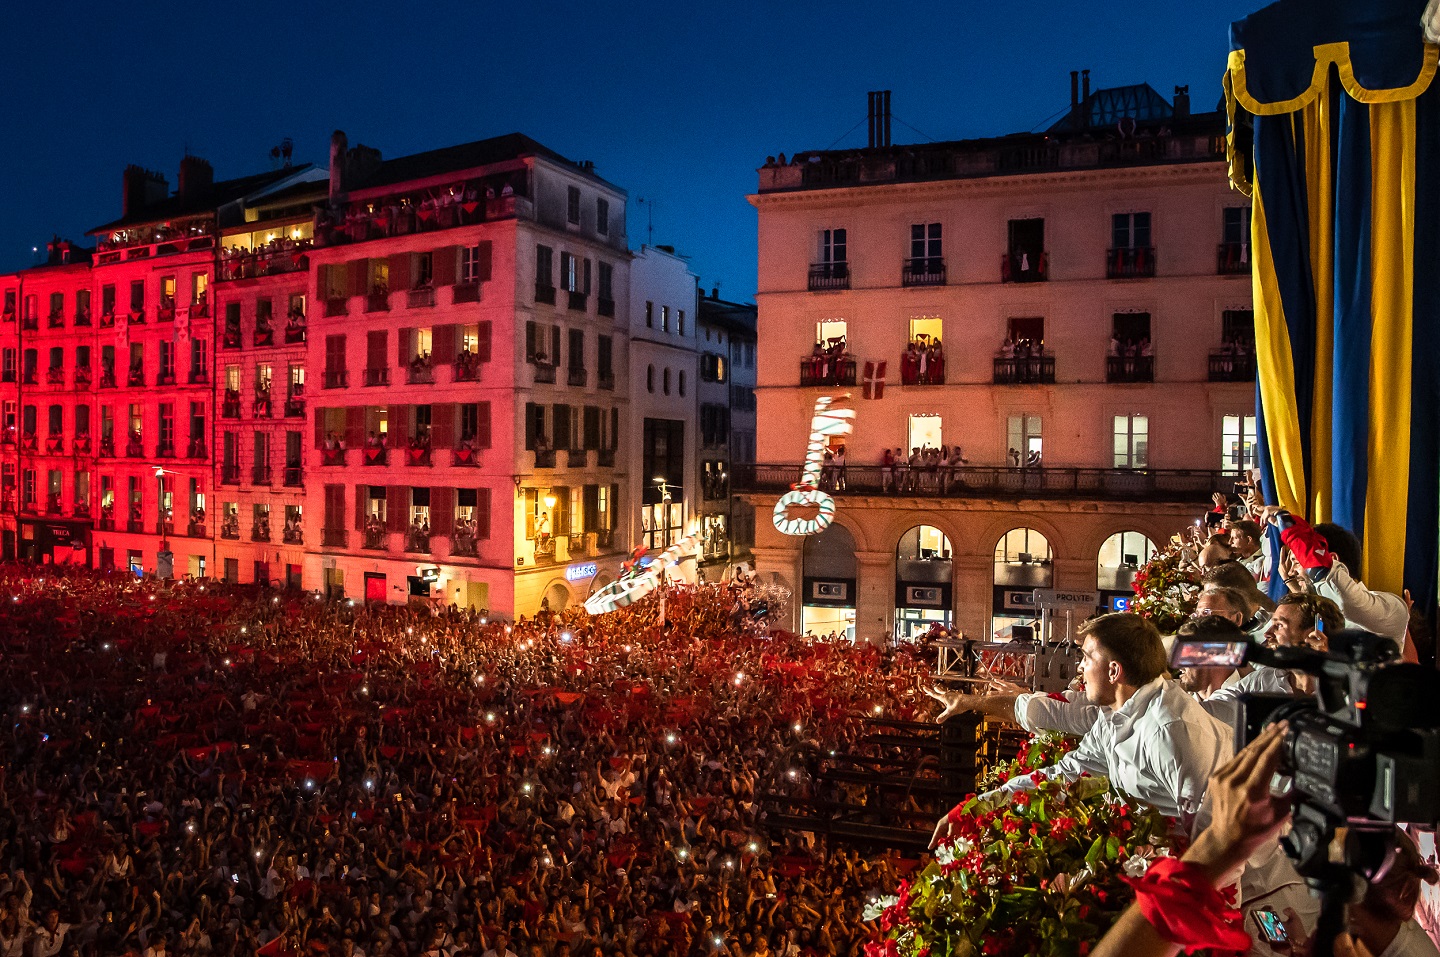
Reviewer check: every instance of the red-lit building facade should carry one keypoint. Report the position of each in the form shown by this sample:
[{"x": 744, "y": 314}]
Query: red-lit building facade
[{"x": 385, "y": 380}]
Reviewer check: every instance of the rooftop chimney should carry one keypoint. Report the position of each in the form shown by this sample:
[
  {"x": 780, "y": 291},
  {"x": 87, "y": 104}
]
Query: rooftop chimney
[
  {"x": 1074, "y": 88},
  {"x": 338, "y": 144},
  {"x": 714, "y": 292},
  {"x": 1085, "y": 75},
  {"x": 1182, "y": 101},
  {"x": 141, "y": 188},
  {"x": 196, "y": 176},
  {"x": 879, "y": 118},
  {"x": 61, "y": 252}
]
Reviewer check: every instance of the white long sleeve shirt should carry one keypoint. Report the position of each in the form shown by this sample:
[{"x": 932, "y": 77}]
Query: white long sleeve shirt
[
  {"x": 1224, "y": 704},
  {"x": 1070, "y": 714},
  {"x": 1158, "y": 747},
  {"x": 1379, "y": 612}
]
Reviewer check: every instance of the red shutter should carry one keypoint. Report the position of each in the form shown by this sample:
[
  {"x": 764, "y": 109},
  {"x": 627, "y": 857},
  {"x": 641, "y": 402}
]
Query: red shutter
[
  {"x": 397, "y": 508},
  {"x": 354, "y": 426},
  {"x": 400, "y": 272},
  {"x": 442, "y": 425},
  {"x": 482, "y": 513},
  {"x": 375, "y": 349},
  {"x": 443, "y": 263},
  {"x": 399, "y": 424},
  {"x": 320, "y": 427},
  {"x": 362, "y": 495},
  {"x": 442, "y": 511},
  {"x": 482, "y": 341},
  {"x": 403, "y": 347},
  {"x": 482, "y": 425},
  {"x": 359, "y": 277},
  {"x": 442, "y": 344},
  {"x": 482, "y": 266}
]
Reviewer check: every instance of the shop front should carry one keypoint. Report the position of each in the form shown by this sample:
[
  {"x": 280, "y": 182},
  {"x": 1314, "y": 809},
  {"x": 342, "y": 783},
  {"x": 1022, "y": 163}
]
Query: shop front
[
  {"x": 923, "y": 582},
  {"x": 54, "y": 542},
  {"x": 828, "y": 586}
]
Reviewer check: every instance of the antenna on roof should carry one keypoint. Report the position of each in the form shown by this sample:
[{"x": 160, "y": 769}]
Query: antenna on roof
[{"x": 649, "y": 219}]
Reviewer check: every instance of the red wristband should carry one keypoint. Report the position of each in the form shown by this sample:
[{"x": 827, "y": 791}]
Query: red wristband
[{"x": 1185, "y": 908}]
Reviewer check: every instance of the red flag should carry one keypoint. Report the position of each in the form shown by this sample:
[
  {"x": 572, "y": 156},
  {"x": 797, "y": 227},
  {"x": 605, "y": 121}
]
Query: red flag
[{"x": 875, "y": 380}]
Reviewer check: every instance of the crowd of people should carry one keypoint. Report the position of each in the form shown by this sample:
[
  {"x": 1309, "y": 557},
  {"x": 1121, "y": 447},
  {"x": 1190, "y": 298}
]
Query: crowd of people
[{"x": 201, "y": 768}]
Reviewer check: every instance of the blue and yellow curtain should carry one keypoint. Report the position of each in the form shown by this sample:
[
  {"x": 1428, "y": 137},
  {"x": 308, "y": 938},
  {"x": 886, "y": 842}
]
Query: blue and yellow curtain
[{"x": 1334, "y": 132}]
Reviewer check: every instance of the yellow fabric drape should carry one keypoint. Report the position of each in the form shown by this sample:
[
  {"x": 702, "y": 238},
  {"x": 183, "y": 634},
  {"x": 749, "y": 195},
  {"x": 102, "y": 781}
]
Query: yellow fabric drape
[
  {"x": 1392, "y": 268},
  {"x": 1276, "y": 371}
]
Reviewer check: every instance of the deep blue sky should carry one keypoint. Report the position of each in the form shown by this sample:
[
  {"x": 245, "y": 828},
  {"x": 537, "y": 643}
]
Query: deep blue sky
[{"x": 675, "y": 102}]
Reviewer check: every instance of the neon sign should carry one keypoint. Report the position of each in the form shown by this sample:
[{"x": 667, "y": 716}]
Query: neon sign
[
  {"x": 832, "y": 419},
  {"x": 584, "y": 570}
]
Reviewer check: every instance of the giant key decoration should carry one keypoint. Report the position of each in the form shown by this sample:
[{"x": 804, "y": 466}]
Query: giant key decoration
[
  {"x": 832, "y": 419},
  {"x": 627, "y": 590}
]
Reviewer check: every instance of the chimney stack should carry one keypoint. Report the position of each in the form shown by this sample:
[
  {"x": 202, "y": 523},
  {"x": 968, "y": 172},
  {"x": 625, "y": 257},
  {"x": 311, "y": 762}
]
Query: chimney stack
[
  {"x": 715, "y": 292},
  {"x": 1074, "y": 88},
  {"x": 196, "y": 176},
  {"x": 1182, "y": 101},
  {"x": 879, "y": 117},
  {"x": 141, "y": 188},
  {"x": 338, "y": 144},
  {"x": 1085, "y": 74}
]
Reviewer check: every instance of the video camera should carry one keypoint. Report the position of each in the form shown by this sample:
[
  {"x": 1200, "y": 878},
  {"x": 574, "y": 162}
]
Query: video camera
[{"x": 1363, "y": 752}]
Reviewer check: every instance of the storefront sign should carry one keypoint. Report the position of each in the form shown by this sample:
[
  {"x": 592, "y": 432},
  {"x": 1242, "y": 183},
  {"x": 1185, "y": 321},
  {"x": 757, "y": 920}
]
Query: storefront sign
[
  {"x": 838, "y": 592},
  {"x": 922, "y": 595},
  {"x": 1120, "y": 602},
  {"x": 1054, "y": 598},
  {"x": 581, "y": 570},
  {"x": 1015, "y": 599}
]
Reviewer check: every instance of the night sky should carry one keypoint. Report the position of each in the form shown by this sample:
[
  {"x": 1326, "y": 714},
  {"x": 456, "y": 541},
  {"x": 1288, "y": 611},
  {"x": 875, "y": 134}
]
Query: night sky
[{"x": 676, "y": 102}]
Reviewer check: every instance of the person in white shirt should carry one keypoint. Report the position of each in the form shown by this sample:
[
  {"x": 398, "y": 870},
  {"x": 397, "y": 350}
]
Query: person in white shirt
[
  {"x": 501, "y": 947},
  {"x": 49, "y": 937},
  {"x": 1156, "y": 744},
  {"x": 1069, "y": 712}
]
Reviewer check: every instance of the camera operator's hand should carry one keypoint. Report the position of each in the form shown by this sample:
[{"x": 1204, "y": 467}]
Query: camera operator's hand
[{"x": 1245, "y": 815}]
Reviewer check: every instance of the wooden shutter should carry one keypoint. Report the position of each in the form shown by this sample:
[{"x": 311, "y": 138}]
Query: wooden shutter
[
  {"x": 442, "y": 425},
  {"x": 482, "y": 261},
  {"x": 442, "y": 511},
  {"x": 397, "y": 508},
  {"x": 442, "y": 343},
  {"x": 614, "y": 428},
  {"x": 400, "y": 272},
  {"x": 532, "y": 336},
  {"x": 592, "y": 427},
  {"x": 586, "y": 287},
  {"x": 590, "y": 505},
  {"x": 375, "y": 349},
  {"x": 354, "y": 426},
  {"x": 482, "y": 513},
  {"x": 554, "y": 345},
  {"x": 561, "y": 428},
  {"x": 399, "y": 423},
  {"x": 403, "y": 339},
  {"x": 482, "y": 341},
  {"x": 320, "y": 428},
  {"x": 359, "y": 277},
  {"x": 362, "y": 497},
  {"x": 560, "y": 514},
  {"x": 482, "y": 425},
  {"x": 334, "y": 506},
  {"x": 443, "y": 262},
  {"x": 614, "y": 509},
  {"x": 532, "y": 498}
]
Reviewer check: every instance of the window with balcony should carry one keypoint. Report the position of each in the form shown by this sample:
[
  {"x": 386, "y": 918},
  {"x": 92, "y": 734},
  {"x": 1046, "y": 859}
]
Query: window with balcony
[
  {"x": 107, "y": 305},
  {"x": 1132, "y": 442},
  {"x": 82, "y": 307},
  {"x": 7, "y": 365},
  {"x": 166, "y": 311},
  {"x": 572, "y": 205},
  {"x": 166, "y": 446},
  {"x": 1132, "y": 251},
  {"x": 196, "y": 447},
  {"x": 377, "y": 289},
  {"x": 1024, "y": 441},
  {"x": 1130, "y": 357},
  {"x": 417, "y": 352},
  {"x": 1237, "y": 443},
  {"x": 377, "y": 368},
  {"x": 57, "y": 310},
  {"x": 335, "y": 289},
  {"x": 1022, "y": 358},
  {"x": 605, "y": 361},
  {"x": 923, "y": 361},
  {"x": 829, "y": 362},
  {"x": 30, "y": 368},
  {"x": 137, "y": 364},
  {"x": 167, "y": 363},
  {"x": 602, "y": 216},
  {"x": 137, "y": 300},
  {"x": 199, "y": 360},
  {"x": 374, "y": 522},
  {"x": 264, "y": 322},
  {"x": 926, "y": 264},
  {"x": 260, "y": 524},
  {"x": 831, "y": 269},
  {"x": 1233, "y": 256},
  {"x": 55, "y": 372},
  {"x": 295, "y": 318},
  {"x": 474, "y": 268},
  {"x": 576, "y": 375},
  {"x": 1025, "y": 257},
  {"x": 1234, "y": 361},
  {"x": 542, "y": 349}
]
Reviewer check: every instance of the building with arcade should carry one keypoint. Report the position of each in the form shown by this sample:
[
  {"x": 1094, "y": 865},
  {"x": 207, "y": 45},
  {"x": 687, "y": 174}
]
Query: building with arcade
[{"x": 1048, "y": 340}]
